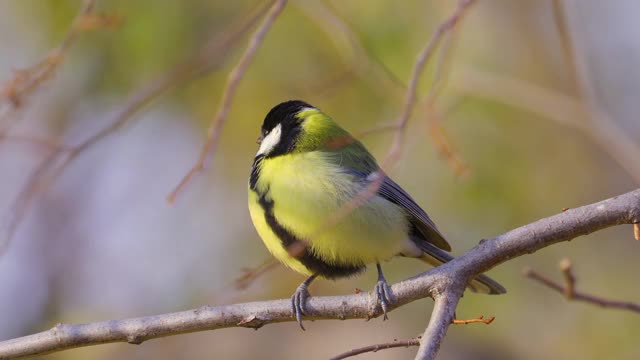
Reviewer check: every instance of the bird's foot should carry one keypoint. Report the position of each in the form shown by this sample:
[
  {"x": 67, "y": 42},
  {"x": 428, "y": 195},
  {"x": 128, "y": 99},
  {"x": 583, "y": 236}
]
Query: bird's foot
[
  {"x": 383, "y": 295},
  {"x": 298, "y": 303}
]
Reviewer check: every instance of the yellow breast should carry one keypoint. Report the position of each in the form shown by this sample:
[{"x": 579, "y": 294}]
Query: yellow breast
[{"x": 307, "y": 191}]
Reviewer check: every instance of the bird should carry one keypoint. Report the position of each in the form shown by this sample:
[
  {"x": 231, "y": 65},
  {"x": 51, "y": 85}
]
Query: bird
[{"x": 307, "y": 170}]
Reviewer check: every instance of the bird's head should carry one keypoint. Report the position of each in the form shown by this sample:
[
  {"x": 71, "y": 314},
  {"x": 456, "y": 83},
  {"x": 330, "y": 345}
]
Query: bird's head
[{"x": 295, "y": 125}]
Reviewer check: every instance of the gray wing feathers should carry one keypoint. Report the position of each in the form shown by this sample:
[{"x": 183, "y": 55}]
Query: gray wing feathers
[
  {"x": 394, "y": 193},
  {"x": 430, "y": 241}
]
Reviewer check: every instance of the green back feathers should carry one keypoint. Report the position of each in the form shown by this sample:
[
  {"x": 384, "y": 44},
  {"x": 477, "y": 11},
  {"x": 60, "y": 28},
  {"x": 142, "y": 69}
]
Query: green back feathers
[{"x": 321, "y": 133}]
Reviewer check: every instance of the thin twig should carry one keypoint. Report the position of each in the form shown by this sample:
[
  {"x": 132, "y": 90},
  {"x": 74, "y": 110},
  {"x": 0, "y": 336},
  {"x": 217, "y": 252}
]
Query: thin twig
[
  {"x": 229, "y": 292},
  {"x": 23, "y": 201},
  {"x": 50, "y": 144},
  {"x": 569, "y": 278},
  {"x": 446, "y": 283},
  {"x": 433, "y": 118},
  {"x": 577, "y": 65},
  {"x": 361, "y": 62},
  {"x": 411, "y": 93},
  {"x": 569, "y": 291},
  {"x": 377, "y": 347},
  {"x": 479, "y": 320},
  {"x": 636, "y": 231},
  {"x": 444, "y": 145},
  {"x": 251, "y": 274},
  {"x": 233, "y": 80},
  {"x": 424, "y": 56},
  {"x": 560, "y": 19},
  {"x": 98, "y": 21},
  {"x": 27, "y": 81}
]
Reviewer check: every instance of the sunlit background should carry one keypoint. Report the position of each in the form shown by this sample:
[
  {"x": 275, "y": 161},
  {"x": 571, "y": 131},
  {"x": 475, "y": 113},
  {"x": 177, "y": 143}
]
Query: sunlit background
[{"x": 99, "y": 241}]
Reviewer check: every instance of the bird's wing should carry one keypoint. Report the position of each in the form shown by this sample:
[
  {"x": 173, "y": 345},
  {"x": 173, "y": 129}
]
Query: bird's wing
[
  {"x": 419, "y": 218},
  {"x": 356, "y": 160}
]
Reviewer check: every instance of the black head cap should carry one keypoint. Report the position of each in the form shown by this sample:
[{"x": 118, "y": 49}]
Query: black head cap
[{"x": 284, "y": 113}]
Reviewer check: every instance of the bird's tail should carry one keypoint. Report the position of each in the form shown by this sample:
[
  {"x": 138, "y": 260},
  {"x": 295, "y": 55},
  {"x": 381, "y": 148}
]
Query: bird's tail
[{"x": 481, "y": 284}]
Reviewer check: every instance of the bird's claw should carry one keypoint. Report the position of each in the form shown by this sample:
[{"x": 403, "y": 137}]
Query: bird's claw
[
  {"x": 383, "y": 295},
  {"x": 298, "y": 303}
]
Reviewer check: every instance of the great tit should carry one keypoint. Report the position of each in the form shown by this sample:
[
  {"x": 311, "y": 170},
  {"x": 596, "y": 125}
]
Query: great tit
[{"x": 307, "y": 170}]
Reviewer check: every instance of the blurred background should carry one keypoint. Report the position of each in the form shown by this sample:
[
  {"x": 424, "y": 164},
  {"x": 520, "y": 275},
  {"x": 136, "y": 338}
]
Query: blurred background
[{"x": 524, "y": 126}]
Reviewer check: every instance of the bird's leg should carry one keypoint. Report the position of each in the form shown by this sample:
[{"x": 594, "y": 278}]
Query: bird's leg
[
  {"x": 299, "y": 299},
  {"x": 383, "y": 292}
]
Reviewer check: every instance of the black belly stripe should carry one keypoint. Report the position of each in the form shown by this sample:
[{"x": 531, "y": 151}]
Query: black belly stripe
[{"x": 315, "y": 264}]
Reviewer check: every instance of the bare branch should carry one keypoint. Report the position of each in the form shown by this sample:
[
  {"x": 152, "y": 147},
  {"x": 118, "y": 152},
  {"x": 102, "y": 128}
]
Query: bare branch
[
  {"x": 407, "y": 342},
  {"x": 442, "y": 316},
  {"x": 49, "y": 144},
  {"x": 569, "y": 291},
  {"x": 479, "y": 320},
  {"x": 24, "y": 199},
  {"x": 251, "y": 274},
  {"x": 445, "y": 283},
  {"x": 27, "y": 81},
  {"x": 443, "y": 144},
  {"x": 233, "y": 80},
  {"x": 97, "y": 21},
  {"x": 577, "y": 65},
  {"x": 423, "y": 57},
  {"x": 361, "y": 62},
  {"x": 377, "y": 347},
  {"x": 433, "y": 117},
  {"x": 560, "y": 18}
]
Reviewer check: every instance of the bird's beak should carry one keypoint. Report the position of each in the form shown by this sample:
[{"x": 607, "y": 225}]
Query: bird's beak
[{"x": 259, "y": 140}]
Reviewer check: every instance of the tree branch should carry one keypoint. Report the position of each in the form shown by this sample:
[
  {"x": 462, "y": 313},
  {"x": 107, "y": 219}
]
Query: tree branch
[
  {"x": 27, "y": 81},
  {"x": 445, "y": 284},
  {"x": 441, "y": 317},
  {"x": 377, "y": 347},
  {"x": 570, "y": 292}
]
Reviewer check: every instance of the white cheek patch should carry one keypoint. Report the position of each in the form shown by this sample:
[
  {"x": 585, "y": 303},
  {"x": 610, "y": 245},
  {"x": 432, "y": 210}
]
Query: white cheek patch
[{"x": 270, "y": 141}]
